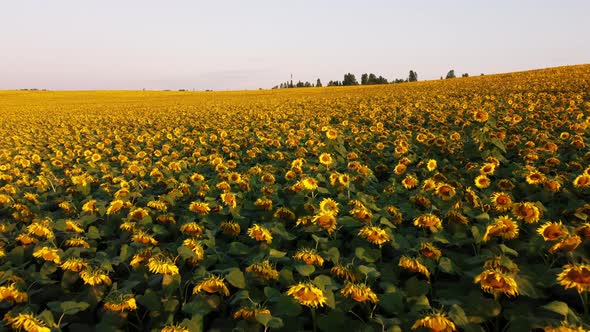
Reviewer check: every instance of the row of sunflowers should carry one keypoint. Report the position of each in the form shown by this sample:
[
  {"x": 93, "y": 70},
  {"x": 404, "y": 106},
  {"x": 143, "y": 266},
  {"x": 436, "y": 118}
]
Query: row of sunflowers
[{"x": 450, "y": 205}]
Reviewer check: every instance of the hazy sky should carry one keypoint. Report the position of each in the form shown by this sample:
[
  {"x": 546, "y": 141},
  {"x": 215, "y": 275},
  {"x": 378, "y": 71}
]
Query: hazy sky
[{"x": 129, "y": 44}]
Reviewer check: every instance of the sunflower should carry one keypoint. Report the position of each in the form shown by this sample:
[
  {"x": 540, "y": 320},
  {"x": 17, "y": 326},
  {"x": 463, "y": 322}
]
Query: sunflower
[
  {"x": 329, "y": 205},
  {"x": 162, "y": 264},
  {"x": 564, "y": 328},
  {"x": 120, "y": 303},
  {"x": 249, "y": 314},
  {"x": 413, "y": 265},
  {"x": 309, "y": 256},
  {"x": 11, "y": 293},
  {"x": 95, "y": 276},
  {"x": 551, "y": 231},
  {"x": 77, "y": 241},
  {"x": 575, "y": 276},
  {"x": 48, "y": 254},
  {"x": 428, "y": 220},
  {"x": 307, "y": 294},
  {"x": 74, "y": 264},
  {"x": 482, "y": 181},
  {"x": 501, "y": 201},
  {"x": 140, "y": 257},
  {"x": 359, "y": 292},
  {"x": 526, "y": 211},
  {"x": 503, "y": 227},
  {"x": 410, "y": 182},
  {"x": 200, "y": 207},
  {"x": 309, "y": 183},
  {"x": 230, "y": 228},
  {"x": 428, "y": 250},
  {"x": 431, "y": 165},
  {"x": 582, "y": 181},
  {"x": 260, "y": 233},
  {"x": 41, "y": 229},
  {"x": 264, "y": 203},
  {"x": 583, "y": 230},
  {"x": 437, "y": 322},
  {"x": 481, "y": 116},
  {"x": 73, "y": 226},
  {"x": 196, "y": 248},
  {"x": 115, "y": 206},
  {"x": 535, "y": 177},
  {"x": 496, "y": 282},
  {"x": 326, "y": 220},
  {"x": 263, "y": 270},
  {"x": 326, "y": 159},
  {"x": 399, "y": 169},
  {"x": 174, "y": 328},
  {"x": 212, "y": 285},
  {"x": 445, "y": 191},
  {"x": 429, "y": 185},
  {"x": 374, "y": 235},
  {"x": 567, "y": 244},
  {"x": 143, "y": 238},
  {"x": 344, "y": 272},
  {"x": 27, "y": 322},
  {"x": 487, "y": 169},
  {"x": 229, "y": 199},
  {"x": 138, "y": 214}
]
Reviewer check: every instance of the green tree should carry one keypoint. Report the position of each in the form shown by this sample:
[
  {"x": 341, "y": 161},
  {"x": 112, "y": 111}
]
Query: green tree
[
  {"x": 318, "y": 83},
  {"x": 364, "y": 79},
  {"x": 451, "y": 74},
  {"x": 413, "y": 76},
  {"x": 349, "y": 79}
]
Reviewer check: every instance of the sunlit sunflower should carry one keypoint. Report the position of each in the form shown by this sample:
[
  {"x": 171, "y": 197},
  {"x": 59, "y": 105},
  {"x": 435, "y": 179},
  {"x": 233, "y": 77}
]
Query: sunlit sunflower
[
  {"x": 481, "y": 116},
  {"x": 410, "y": 182},
  {"x": 445, "y": 191},
  {"x": 326, "y": 159},
  {"x": 162, "y": 264},
  {"x": 414, "y": 265},
  {"x": 567, "y": 244},
  {"x": 309, "y": 183},
  {"x": 200, "y": 207},
  {"x": 138, "y": 214},
  {"x": 309, "y": 256},
  {"x": 535, "y": 177},
  {"x": 212, "y": 285},
  {"x": 77, "y": 241},
  {"x": 115, "y": 206},
  {"x": 359, "y": 292},
  {"x": 565, "y": 328},
  {"x": 260, "y": 233},
  {"x": 192, "y": 228},
  {"x": 501, "y": 201},
  {"x": 120, "y": 303},
  {"x": 307, "y": 294},
  {"x": 27, "y": 322},
  {"x": 263, "y": 270},
  {"x": 526, "y": 211},
  {"x": 575, "y": 276},
  {"x": 582, "y": 181},
  {"x": 329, "y": 205},
  {"x": 431, "y": 165},
  {"x": 74, "y": 264},
  {"x": 503, "y": 227},
  {"x": 95, "y": 276},
  {"x": 325, "y": 220},
  {"x": 551, "y": 231},
  {"x": 48, "y": 254},
  {"x": 428, "y": 220},
  {"x": 195, "y": 246},
  {"x": 482, "y": 181},
  {"x": 73, "y": 226},
  {"x": 143, "y": 238},
  {"x": 487, "y": 169},
  {"x": 229, "y": 199},
  {"x": 13, "y": 294},
  {"x": 583, "y": 230},
  {"x": 437, "y": 322},
  {"x": 374, "y": 235},
  {"x": 141, "y": 257},
  {"x": 496, "y": 282}
]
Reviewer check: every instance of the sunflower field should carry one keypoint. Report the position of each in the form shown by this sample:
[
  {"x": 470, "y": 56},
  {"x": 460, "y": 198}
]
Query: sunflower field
[{"x": 451, "y": 205}]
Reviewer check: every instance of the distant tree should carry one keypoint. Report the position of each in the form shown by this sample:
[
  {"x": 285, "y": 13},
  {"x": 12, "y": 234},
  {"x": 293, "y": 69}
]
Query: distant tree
[
  {"x": 381, "y": 80},
  {"x": 441, "y": 78},
  {"x": 299, "y": 84},
  {"x": 349, "y": 79},
  {"x": 465, "y": 75},
  {"x": 413, "y": 76},
  {"x": 364, "y": 79},
  {"x": 307, "y": 84},
  {"x": 451, "y": 74},
  {"x": 481, "y": 74},
  {"x": 291, "y": 84},
  {"x": 372, "y": 79},
  {"x": 318, "y": 83}
]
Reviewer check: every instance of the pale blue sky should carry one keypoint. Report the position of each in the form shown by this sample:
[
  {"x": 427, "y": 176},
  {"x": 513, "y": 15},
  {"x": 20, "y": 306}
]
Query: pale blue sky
[{"x": 133, "y": 44}]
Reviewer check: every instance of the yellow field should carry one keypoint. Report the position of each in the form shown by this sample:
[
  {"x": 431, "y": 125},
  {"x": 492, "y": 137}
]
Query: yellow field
[{"x": 436, "y": 205}]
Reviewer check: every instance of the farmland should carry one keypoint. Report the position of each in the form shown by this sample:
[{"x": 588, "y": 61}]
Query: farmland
[{"x": 460, "y": 204}]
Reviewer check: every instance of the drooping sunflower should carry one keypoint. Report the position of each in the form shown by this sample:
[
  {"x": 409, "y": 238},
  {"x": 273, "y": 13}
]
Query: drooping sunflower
[
  {"x": 27, "y": 322},
  {"x": 74, "y": 264},
  {"x": 307, "y": 294},
  {"x": 162, "y": 264},
  {"x": 260, "y": 233},
  {"x": 192, "y": 228},
  {"x": 48, "y": 254},
  {"x": 437, "y": 322},
  {"x": 494, "y": 281},
  {"x": 326, "y": 220},
  {"x": 428, "y": 250},
  {"x": 249, "y": 314},
  {"x": 344, "y": 272},
  {"x": 445, "y": 191},
  {"x": 229, "y": 199},
  {"x": 551, "y": 231},
  {"x": 374, "y": 235},
  {"x": 120, "y": 303},
  {"x": 213, "y": 284},
  {"x": 263, "y": 270},
  {"x": 575, "y": 276},
  {"x": 329, "y": 205},
  {"x": 428, "y": 220},
  {"x": 503, "y": 227},
  {"x": 138, "y": 214},
  {"x": 410, "y": 182},
  {"x": 200, "y": 207},
  {"x": 414, "y": 265},
  {"x": 309, "y": 256},
  {"x": 95, "y": 276},
  {"x": 12, "y": 293},
  {"x": 567, "y": 244},
  {"x": 359, "y": 292}
]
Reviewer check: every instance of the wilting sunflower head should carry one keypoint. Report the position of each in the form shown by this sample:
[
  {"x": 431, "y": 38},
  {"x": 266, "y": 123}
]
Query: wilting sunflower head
[
  {"x": 503, "y": 227},
  {"x": 162, "y": 264},
  {"x": 326, "y": 220},
  {"x": 359, "y": 292},
  {"x": 575, "y": 276},
  {"x": 344, "y": 272},
  {"x": 212, "y": 285},
  {"x": 309, "y": 256},
  {"x": 551, "y": 231},
  {"x": 27, "y": 322},
  {"x": 120, "y": 303},
  {"x": 374, "y": 235},
  {"x": 428, "y": 250},
  {"x": 260, "y": 233},
  {"x": 263, "y": 270},
  {"x": 200, "y": 207},
  {"x": 414, "y": 265},
  {"x": 174, "y": 328},
  {"x": 430, "y": 221},
  {"x": 13, "y": 294},
  {"x": 497, "y": 282},
  {"x": 95, "y": 276},
  {"x": 249, "y": 314},
  {"x": 436, "y": 322},
  {"x": 307, "y": 294},
  {"x": 567, "y": 244},
  {"x": 527, "y": 211}
]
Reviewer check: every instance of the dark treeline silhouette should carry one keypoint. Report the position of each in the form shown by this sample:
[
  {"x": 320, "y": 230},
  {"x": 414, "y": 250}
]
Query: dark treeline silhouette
[{"x": 366, "y": 79}]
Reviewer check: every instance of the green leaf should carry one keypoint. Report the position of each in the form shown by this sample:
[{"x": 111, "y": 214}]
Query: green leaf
[
  {"x": 150, "y": 300},
  {"x": 277, "y": 254},
  {"x": 286, "y": 306},
  {"x": 305, "y": 269},
  {"x": 236, "y": 278},
  {"x": 263, "y": 319},
  {"x": 558, "y": 307},
  {"x": 507, "y": 250},
  {"x": 499, "y": 144},
  {"x": 186, "y": 253},
  {"x": 392, "y": 302},
  {"x": 367, "y": 254},
  {"x": 93, "y": 233},
  {"x": 457, "y": 315},
  {"x": 446, "y": 265},
  {"x": 238, "y": 248},
  {"x": 415, "y": 287},
  {"x": 72, "y": 308}
]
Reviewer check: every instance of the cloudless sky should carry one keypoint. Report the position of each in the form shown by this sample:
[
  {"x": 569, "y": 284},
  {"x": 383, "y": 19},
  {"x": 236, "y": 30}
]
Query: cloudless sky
[{"x": 174, "y": 44}]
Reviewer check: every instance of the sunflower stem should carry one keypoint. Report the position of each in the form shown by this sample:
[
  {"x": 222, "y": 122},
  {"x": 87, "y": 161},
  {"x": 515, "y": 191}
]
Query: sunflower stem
[
  {"x": 313, "y": 318},
  {"x": 584, "y": 298}
]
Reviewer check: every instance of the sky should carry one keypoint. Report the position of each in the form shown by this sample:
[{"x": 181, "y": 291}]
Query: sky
[{"x": 232, "y": 45}]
